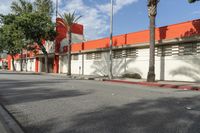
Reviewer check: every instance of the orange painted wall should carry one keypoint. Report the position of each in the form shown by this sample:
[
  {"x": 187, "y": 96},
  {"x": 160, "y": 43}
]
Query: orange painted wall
[
  {"x": 180, "y": 30},
  {"x": 95, "y": 44},
  {"x": 119, "y": 40},
  {"x": 77, "y": 47}
]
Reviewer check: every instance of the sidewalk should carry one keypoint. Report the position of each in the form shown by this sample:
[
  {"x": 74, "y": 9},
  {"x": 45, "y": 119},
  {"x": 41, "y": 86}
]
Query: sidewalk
[
  {"x": 163, "y": 84},
  {"x": 2, "y": 128},
  {"x": 7, "y": 123}
]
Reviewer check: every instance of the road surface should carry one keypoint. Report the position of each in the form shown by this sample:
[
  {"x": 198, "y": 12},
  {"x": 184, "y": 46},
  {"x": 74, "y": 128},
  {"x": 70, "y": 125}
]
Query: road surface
[{"x": 55, "y": 104}]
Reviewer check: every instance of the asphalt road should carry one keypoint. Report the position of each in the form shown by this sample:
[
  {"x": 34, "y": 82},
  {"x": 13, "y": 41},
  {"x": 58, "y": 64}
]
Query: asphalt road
[{"x": 53, "y": 104}]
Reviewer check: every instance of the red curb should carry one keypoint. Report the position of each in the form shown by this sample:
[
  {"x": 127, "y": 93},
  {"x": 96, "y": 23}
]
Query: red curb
[
  {"x": 183, "y": 87},
  {"x": 170, "y": 86},
  {"x": 149, "y": 84},
  {"x": 189, "y": 88}
]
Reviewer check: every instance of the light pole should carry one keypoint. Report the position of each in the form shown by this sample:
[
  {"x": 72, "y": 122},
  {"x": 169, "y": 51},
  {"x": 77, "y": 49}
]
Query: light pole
[
  {"x": 56, "y": 8},
  {"x": 111, "y": 40}
]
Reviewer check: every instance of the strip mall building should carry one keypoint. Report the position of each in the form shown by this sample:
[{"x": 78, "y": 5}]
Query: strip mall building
[{"x": 177, "y": 53}]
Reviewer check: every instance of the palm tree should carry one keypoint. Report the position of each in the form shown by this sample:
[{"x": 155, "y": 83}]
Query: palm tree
[
  {"x": 69, "y": 19},
  {"x": 152, "y": 12},
  {"x": 44, "y": 6},
  {"x": 21, "y": 6}
]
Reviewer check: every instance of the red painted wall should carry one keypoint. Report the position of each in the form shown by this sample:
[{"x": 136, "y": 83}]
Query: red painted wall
[
  {"x": 56, "y": 64},
  {"x": 36, "y": 64},
  {"x": 62, "y": 32}
]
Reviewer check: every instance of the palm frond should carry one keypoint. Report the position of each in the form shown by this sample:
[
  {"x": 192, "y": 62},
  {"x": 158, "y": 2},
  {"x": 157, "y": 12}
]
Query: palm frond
[
  {"x": 70, "y": 18},
  {"x": 21, "y": 6}
]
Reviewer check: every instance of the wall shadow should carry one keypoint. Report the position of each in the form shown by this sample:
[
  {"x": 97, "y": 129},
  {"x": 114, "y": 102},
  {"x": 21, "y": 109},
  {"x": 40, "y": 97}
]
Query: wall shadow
[
  {"x": 101, "y": 67},
  {"x": 195, "y": 32},
  {"x": 162, "y": 33},
  {"x": 192, "y": 72}
]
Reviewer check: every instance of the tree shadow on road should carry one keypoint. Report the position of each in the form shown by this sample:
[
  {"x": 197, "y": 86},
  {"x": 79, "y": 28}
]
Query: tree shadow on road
[
  {"x": 165, "y": 115},
  {"x": 21, "y": 91}
]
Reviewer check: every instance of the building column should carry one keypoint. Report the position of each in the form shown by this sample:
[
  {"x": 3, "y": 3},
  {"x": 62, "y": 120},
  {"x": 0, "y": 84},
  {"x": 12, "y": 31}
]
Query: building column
[
  {"x": 56, "y": 64},
  {"x": 36, "y": 64}
]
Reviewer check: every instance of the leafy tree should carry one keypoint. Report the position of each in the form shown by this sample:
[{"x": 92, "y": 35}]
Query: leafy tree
[
  {"x": 11, "y": 37},
  {"x": 21, "y": 6},
  {"x": 152, "y": 12},
  {"x": 69, "y": 19},
  {"x": 36, "y": 27}
]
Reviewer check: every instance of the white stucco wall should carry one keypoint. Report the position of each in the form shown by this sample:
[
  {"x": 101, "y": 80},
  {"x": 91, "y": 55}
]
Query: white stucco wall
[
  {"x": 174, "y": 68},
  {"x": 63, "y": 64},
  {"x": 30, "y": 65}
]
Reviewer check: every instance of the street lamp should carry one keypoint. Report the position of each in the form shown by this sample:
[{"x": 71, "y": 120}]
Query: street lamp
[
  {"x": 56, "y": 8},
  {"x": 111, "y": 40}
]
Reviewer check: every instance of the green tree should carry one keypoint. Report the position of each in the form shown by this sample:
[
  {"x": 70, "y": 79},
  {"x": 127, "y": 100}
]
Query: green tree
[
  {"x": 152, "y": 12},
  {"x": 69, "y": 19},
  {"x": 21, "y": 6},
  {"x": 36, "y": 27},
  {"x": 44, "y": 6},
  {"x": 11, "y": 37}
]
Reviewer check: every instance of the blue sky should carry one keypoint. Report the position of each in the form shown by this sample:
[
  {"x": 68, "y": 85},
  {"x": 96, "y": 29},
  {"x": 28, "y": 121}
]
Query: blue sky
[
  {"x": 134, "y": 17},
  {"x": 130, "y": 15}
]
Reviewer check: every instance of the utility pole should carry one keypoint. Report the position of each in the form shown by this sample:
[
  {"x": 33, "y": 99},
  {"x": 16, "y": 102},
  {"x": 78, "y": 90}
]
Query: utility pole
[
  {"x": 56, "y": 9},
  {"x": 111, "y": 40}
]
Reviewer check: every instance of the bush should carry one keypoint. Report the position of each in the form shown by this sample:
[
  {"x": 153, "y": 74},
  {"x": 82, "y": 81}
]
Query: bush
[{"x": 132, "y": 75}]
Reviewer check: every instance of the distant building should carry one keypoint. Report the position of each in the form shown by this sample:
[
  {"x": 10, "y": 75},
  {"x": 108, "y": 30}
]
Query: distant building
[{"x": 176, "y": 53}]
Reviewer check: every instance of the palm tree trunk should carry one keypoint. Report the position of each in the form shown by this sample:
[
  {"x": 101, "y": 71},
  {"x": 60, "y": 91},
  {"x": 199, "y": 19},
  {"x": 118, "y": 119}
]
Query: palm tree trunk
[
  {"x": 151, "y": 73},
  {"x": 69, "y": 53},
  {"x": 13, "y": 63}
]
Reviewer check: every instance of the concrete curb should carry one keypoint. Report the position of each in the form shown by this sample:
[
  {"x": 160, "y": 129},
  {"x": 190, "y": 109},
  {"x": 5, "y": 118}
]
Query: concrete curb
[
  {"x": 150, "y": 84},
  {"x": 8, "y": 121}
]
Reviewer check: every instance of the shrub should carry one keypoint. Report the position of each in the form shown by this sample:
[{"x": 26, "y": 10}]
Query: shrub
[{"x": 132, "y": 75}]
